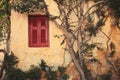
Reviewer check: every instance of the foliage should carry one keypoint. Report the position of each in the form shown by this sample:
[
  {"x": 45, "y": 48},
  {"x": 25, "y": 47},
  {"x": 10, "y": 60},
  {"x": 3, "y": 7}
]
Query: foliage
[
  {"x": 88, "y": 73},
  {"x": 117, "y": 65},
  {"x": 89, "y": 48},
  {"x": 51, "y": 75},
  {"x": 115, "y": 6},
  {"x": 34, "y": 73},
  {"x": 3, "y": 27},
  {"x": 62, "y": 71},
  {"x": 43, "y": 65},
  {"x": 15, "y": 74},
  {"x": 28, "y": 5},
  {"x": 4, "y": 23},
  {"x": 92, "y": 28},
  {"x": 11, "y": 61}
]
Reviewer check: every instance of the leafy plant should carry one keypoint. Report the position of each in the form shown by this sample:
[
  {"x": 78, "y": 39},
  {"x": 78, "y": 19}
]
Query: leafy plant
[
  {"x": 4, "y": 22},
  {"x": 115, "y": 6},
  {"x": 51, "y": 75},
  {"x": 43, "y": 65},
  {"x": 88, "y": 73},
  {"x": 23, "y": 6},
  {"x": 15, "y": 74},
  {"x": 62, "y": 71},
  {"x": 33, "y": 73},
  {"x": 11, "y": 61}
]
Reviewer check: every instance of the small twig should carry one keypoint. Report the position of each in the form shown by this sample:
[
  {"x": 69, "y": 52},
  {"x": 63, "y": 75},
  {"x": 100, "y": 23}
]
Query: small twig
[
  {"x": 83, "y": 17},
  {"x": 93, "y": 6},
  {"x": 104, "y": 34}
]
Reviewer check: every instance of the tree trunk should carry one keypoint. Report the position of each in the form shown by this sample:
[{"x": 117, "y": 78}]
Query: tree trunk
[
  {"x": 6, "y": 51},
  {"x": 3, "y": 63},
  {"x": 76, "y": 62}
]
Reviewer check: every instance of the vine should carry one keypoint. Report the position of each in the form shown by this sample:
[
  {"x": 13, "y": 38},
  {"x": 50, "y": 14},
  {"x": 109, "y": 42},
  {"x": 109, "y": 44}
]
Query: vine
[{"x": 27, "y": 6}]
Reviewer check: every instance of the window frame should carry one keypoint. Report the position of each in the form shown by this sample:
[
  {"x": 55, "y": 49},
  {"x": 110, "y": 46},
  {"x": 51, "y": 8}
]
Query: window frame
[{"x": 38, "y": 29}]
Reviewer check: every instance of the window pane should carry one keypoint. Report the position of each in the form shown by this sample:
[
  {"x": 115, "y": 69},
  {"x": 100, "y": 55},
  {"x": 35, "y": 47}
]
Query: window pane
[
  {"x": 43, "y": 36},
  {"x": 43, "y": 21},
  {"x": 34, "y": 36}
]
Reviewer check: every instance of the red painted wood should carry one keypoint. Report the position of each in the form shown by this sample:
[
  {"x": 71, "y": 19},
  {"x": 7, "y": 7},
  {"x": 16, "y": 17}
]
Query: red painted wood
[{"x": 38, "y": 31}]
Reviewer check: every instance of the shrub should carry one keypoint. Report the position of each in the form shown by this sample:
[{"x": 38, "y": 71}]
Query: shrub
[
  {"x": 15, "y": 74},
  {"x": 33, "y": 73}
]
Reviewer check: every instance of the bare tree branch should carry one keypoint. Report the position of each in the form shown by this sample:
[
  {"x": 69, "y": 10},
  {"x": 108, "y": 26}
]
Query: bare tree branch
[
  {"x": 83, "y": 17},
  {"x": 99, "y": 2}
]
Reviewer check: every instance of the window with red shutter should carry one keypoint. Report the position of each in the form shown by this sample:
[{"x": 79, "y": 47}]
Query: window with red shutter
[{"x": 38, "y": 31}]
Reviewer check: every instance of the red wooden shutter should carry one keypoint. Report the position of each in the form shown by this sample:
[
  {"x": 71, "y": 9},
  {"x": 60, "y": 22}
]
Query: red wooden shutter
[
  {"x": 44, "y": 31},
  {"x": 33, "y": 31},
  {"x": 38, "y": 31}
]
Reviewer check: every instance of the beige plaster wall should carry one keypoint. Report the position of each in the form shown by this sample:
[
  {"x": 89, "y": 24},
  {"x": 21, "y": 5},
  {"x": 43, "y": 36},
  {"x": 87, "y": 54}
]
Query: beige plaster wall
[{"x": 53, "y": 55}]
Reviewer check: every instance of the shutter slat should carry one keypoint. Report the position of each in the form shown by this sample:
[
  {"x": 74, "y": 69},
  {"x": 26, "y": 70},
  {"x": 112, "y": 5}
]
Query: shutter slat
[
  {"x": 34, "y": 36},
  {"x": 34, "y": 22},
  {"x": 43, "y": 22},
  {"x": 43, "y": 36}
]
